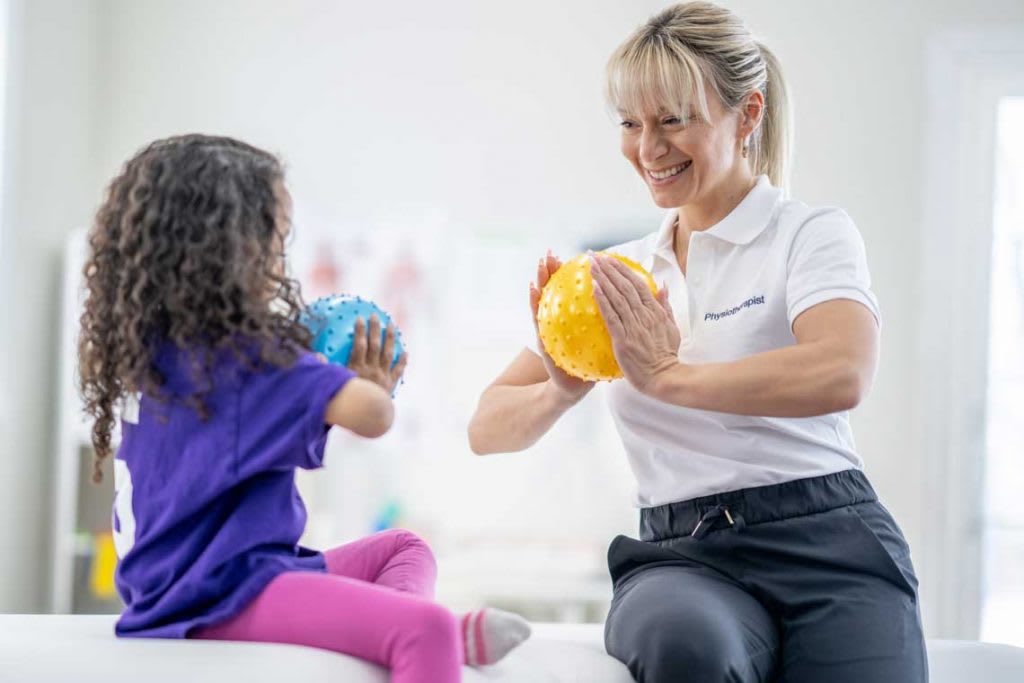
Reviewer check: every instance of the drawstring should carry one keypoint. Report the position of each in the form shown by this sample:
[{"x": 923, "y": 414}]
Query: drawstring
[{"x": 708, "y": 519}]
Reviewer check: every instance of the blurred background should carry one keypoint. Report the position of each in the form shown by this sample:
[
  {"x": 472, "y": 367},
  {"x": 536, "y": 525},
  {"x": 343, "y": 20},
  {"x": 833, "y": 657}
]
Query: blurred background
[{"x": 435, "y": 150}]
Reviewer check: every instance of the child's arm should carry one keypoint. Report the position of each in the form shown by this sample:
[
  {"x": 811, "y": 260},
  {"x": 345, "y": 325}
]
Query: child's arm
[
  {"x": 364, "y": 405},
  {"x": 361, "y": 406}
]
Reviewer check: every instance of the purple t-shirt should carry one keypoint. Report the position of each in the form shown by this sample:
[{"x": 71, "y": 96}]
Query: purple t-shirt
[{"x": 206, "y": 513}]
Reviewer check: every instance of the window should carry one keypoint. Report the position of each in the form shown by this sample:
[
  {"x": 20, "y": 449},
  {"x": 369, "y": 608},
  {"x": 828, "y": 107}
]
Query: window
[{"x": 1003, "y": 519}]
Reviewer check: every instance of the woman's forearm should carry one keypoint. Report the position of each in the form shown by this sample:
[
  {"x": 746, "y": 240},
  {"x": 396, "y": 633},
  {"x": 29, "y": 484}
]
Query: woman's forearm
[
  {"x": 510, "y": 418},
  {"x": 797, "y": 381}
]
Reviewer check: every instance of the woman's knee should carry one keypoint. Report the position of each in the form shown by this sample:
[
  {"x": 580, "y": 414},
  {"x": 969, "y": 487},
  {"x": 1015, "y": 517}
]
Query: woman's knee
[
  {"x": 671, "y": 653},
  {"x": 664, "y": 639}
]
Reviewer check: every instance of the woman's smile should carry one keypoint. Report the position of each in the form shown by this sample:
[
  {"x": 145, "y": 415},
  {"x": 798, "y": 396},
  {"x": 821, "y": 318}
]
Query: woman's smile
[{"x": 667, "y": 176}]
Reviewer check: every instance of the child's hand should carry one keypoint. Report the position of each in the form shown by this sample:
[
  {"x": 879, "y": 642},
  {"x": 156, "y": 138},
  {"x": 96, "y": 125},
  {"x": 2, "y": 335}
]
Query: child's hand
[{"x": 371, "y": 360}]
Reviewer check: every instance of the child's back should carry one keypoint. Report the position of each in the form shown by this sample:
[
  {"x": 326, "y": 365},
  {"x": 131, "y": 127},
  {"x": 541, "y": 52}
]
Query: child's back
[{"x": 207, "y": 512}]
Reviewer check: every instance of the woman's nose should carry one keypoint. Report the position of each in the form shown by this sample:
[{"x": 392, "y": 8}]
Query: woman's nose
[{"x": 652, "y": 145}]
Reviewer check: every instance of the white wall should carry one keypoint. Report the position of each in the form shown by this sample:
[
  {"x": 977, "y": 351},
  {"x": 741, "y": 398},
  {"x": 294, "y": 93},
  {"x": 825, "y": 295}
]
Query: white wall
[
  {"x": 491, "y": 113},
  {"x": 49, "y": 188},
  {"x": 488, "y": 118}
]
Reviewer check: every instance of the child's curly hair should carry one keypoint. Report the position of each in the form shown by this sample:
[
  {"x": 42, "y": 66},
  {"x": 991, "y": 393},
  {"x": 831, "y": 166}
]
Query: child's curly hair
[{"x": 188, "y": 248}]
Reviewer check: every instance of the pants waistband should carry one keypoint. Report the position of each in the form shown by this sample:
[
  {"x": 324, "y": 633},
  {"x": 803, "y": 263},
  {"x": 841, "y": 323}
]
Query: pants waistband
[{"x": 756, "y": 505}]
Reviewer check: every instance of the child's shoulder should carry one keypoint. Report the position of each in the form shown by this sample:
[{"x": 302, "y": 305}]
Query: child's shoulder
[
  {"x": 295, "y": 373},
  {"x": 192, "y": 369}
]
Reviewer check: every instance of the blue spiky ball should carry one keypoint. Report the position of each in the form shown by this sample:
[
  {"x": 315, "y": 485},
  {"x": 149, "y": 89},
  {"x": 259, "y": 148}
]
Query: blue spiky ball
[{"x": 332, "y": 321}]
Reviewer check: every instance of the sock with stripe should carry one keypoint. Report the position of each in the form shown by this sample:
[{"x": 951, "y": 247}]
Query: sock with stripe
[{"x": 489, "y": 634}]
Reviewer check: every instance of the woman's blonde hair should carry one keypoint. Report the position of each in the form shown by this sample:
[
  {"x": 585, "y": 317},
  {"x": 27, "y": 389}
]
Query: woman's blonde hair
[{"x": 664, "y": 65}]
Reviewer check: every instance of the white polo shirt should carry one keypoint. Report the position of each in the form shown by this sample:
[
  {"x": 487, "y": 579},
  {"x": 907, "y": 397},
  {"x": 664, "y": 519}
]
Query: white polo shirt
[{"x": 747, "y": 279}]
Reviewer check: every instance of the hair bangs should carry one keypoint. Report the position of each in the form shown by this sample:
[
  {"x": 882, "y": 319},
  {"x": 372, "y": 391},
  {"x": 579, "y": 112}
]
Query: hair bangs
[{"x": 648, "y": 75}]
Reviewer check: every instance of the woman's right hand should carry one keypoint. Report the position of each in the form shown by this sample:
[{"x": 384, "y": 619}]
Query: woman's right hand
[{"x": 572, "y": 387}]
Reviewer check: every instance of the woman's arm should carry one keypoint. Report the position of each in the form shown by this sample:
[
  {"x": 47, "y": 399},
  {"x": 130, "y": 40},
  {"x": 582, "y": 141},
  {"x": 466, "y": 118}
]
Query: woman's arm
[
  {"x": 830, "y": 369},
  {"x": 518, "y": 407},
  {"x": 522, "y": 404}
]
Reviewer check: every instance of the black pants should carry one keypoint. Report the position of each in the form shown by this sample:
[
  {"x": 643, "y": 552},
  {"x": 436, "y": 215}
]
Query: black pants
[{"x": 809, "y": 581}]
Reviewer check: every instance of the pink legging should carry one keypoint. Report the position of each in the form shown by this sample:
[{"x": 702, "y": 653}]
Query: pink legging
[{"x": 375, "y": 603}]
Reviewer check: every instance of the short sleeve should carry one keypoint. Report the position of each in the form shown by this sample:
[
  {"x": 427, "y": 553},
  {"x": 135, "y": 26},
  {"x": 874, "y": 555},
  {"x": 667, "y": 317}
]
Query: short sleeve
[
  {"x": 281, "y": 415},
  {"x": 827, "y": 261}
]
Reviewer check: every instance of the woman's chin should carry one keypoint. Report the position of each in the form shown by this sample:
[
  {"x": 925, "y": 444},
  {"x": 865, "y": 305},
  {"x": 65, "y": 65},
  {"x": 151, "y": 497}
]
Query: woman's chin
[{"x": 665, "y": 199}]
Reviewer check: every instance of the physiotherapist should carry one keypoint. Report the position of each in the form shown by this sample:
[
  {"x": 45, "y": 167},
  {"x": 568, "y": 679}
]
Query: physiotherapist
[{"x": 764, "y": 554}]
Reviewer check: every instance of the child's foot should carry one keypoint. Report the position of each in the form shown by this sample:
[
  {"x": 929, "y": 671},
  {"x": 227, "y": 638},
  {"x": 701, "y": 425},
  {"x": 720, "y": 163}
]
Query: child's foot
[{"x": 489, "y": 634}]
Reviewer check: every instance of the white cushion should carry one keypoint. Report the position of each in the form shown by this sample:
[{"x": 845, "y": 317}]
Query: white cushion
[
  {"x": 83, "y": 649},
  {"x": 965, "y": 661}
]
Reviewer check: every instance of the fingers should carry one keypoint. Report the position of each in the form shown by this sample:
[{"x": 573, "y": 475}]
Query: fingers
[
  {"x": 553, "y": 263},
  {"x": 373, "y": 341},
  {"x": 632, "y": 287},
  {"x": 399, "y": 369},
  {"x": 546, "y": 267},
  {"x": 358, "y": 354},
  {"x": 534, "y": 301},
  {"x": 388, "y": 351},
  {"x": 542, "y": 273},
  {"x": 605, "y": 281},
  {"x": 612, "y": 320}
]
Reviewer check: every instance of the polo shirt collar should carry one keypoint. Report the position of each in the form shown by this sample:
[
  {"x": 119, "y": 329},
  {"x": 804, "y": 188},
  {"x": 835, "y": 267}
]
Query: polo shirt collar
[{"x": 745, "y": 222}]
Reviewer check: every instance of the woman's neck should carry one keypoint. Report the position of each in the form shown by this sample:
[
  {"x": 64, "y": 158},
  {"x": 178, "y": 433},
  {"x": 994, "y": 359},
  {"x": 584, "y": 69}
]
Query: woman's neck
[
  {"x": 717, "y": 204},
  {"x": 701, "y": 215}
]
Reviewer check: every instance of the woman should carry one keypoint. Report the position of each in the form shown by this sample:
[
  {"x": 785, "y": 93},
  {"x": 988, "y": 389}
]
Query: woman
[{"x": 764, "y": 553}]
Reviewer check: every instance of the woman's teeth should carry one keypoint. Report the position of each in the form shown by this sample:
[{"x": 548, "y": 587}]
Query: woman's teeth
[{"x": 669, "y": 172}]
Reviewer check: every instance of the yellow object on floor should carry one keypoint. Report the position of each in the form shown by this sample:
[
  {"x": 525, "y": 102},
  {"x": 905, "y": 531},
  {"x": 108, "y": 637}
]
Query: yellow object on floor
[{"x": 104, "y": 563}]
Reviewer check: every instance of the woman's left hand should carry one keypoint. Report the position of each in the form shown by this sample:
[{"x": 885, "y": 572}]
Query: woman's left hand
[{"x": 645, "y": 337}]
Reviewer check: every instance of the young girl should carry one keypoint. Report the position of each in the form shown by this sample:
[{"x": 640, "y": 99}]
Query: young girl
[{"x": 191, "y": 328}]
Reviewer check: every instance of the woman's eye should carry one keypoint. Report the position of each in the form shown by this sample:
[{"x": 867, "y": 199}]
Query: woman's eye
[{"x": 627, "y": 125}]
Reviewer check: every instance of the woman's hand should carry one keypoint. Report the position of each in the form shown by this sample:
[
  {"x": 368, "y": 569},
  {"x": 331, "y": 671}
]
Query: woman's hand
[
  {"x": 371, "y": 360},
  {"x": 645, "y": 337},
  {"x": 571, "y": 387}
]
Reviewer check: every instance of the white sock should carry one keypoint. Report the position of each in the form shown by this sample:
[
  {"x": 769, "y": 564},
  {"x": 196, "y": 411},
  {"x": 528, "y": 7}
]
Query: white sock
[{"x": 489, "y": 634}]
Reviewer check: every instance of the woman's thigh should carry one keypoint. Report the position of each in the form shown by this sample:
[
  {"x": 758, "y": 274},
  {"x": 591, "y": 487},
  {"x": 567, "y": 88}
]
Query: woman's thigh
[
  {"x": 687, "y": 622},
  {"x": 850, "y": 612}
]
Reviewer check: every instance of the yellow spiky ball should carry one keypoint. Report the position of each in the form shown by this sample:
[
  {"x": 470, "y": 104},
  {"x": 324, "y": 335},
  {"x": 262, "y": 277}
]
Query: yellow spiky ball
[{"x": 571, "y": 327}]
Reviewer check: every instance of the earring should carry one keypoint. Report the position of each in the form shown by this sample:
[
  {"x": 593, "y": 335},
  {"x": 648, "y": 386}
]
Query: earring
[{"x": 746, "y": 149}]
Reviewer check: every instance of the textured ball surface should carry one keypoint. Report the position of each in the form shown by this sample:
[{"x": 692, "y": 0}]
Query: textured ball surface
[
  {"x": 332, "y": 321},
  {"x": 570, "y": 323}
]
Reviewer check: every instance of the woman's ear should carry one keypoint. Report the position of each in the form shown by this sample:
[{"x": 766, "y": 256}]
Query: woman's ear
[{"x": 751, "y": 113}]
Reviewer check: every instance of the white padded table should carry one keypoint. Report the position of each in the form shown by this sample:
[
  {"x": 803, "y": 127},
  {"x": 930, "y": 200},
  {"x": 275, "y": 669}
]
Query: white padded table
[{"x": 83, "y": 649}]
